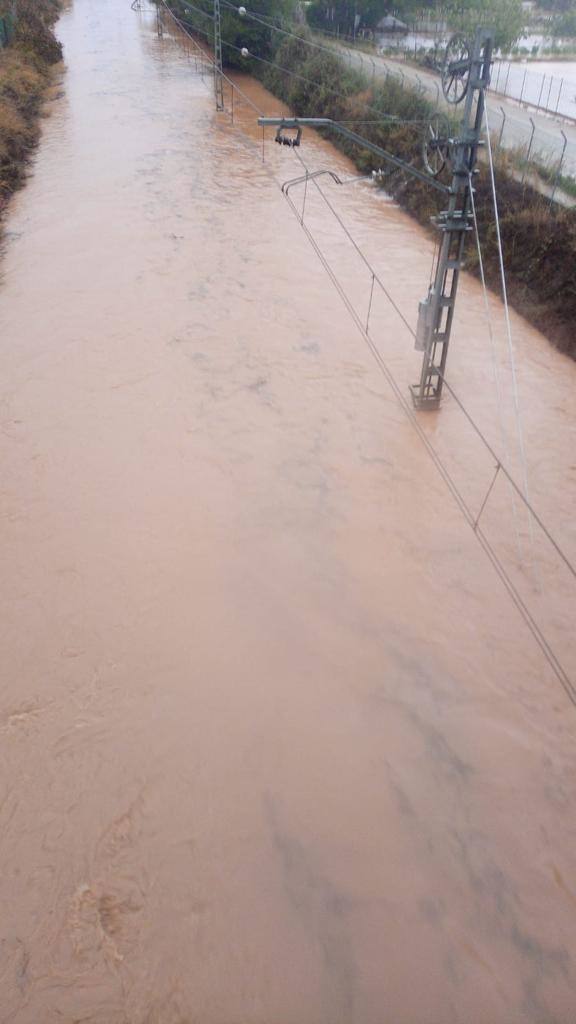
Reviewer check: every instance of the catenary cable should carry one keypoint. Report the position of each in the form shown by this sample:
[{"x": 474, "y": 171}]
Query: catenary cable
[{"x": 472, "y": 520}]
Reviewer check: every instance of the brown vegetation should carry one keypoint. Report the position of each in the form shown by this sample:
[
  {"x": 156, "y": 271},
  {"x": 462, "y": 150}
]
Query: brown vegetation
[{"x": 24, "y": 76}]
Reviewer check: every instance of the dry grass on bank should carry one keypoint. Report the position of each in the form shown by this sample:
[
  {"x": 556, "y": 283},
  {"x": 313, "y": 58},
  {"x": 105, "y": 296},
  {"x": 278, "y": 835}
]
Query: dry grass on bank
[{"x": 24, "y": 77}]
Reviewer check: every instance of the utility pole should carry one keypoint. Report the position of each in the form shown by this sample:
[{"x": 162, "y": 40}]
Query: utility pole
[
  {"x": 218, "y": 80},
  {"x": 437, "y": 310},
  {"x": 465, "y": 77}
]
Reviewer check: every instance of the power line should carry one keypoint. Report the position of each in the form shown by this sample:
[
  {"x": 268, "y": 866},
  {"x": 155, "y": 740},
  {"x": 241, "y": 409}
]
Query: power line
[
  {"x": 383, "y": 118},
  {"x": 508, "y": 325},
  {"x": 332, "y": 51},
  {"x": 457, "y": 399},
  {"x": 495, "y": 370},
  {"x": 275, "y": 28},
  {"x": 185, "y": 27},
  {"x": 192, "y": 7},
  {"x": 406, "y": 323},
  {"x": 473, "y": 521},
  {"x": 375, "y": 276}
]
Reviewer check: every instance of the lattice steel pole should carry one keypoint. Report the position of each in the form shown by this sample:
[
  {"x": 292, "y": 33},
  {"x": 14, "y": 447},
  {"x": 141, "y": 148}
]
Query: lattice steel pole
[
  {"x": 437, "y": 310},
  {"x": 218, "y": 80}
]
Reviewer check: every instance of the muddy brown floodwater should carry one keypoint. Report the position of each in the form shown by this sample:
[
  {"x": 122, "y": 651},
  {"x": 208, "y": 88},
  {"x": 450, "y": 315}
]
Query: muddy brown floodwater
[{"x": 276, "y": 746}]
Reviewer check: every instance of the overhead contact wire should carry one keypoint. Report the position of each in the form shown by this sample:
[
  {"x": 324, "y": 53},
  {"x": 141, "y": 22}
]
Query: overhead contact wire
[{"x": 493, "y": 557}]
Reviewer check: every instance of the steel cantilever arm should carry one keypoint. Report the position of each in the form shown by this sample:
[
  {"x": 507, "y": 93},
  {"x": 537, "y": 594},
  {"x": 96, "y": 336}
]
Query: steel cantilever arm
[{"x": 327, "y": 122}]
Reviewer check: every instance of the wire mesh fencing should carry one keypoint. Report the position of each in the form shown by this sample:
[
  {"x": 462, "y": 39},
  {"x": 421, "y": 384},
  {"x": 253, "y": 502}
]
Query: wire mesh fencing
[
  {"x": 515, "y": 80},
  {"x": 542, "y": 91},
  {"x": 545, "y": 156}
]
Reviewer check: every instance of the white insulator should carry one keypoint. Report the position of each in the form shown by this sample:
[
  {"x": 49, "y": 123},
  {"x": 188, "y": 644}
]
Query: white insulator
[
  {"x": 242, "y": 12},
  {"x": 244, "y": 52}
]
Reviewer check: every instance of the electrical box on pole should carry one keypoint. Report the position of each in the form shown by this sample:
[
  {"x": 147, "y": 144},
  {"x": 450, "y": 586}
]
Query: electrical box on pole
[{"x": 465, "y": 77}]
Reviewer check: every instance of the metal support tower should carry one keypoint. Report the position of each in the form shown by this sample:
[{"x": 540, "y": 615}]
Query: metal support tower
[
  {"x": 437, "y": 310},
  {"x": 218, "y": 80}
]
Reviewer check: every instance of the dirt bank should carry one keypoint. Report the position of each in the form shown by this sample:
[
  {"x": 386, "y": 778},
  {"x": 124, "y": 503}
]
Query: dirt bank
[{"x": 24, "y": 76}]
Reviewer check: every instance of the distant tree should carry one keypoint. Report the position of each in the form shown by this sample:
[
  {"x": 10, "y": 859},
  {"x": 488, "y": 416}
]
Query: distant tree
[
  {"x": 253, "y": 34},
  {"x": 346, "y": 15},
  {"x": 557, "y": 5},
  {"x": 505, "y": 16},
  {"x": 257, "y": 36},
  {"x": 565, "y": 24}
]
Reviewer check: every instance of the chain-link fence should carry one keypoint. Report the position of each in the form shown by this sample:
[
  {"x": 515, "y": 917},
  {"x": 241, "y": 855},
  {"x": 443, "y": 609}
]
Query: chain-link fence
[
  {"x": 540, "y": 89},
  {"x": 536, "y": 89},
  {"x": 543, "y": 155}
]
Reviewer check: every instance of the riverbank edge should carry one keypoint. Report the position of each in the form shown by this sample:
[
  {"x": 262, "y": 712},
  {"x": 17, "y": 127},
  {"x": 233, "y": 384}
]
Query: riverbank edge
[{"x": 26, "y": 74}]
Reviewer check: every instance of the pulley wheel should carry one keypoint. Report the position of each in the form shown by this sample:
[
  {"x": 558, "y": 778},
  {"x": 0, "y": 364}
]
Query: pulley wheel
[
  {"x": 456, "y": 70},
  {"x": 436, "y": 144}
]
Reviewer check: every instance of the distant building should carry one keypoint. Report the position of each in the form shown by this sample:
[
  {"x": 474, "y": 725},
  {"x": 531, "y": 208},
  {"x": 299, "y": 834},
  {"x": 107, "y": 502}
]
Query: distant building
[{"x": 391, "y": 24}]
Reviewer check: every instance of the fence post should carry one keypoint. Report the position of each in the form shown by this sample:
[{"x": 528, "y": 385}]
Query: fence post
[
  {"x": 529, "y": 150},
  {"x": 560, "y": 162},
  {"x": 498, "y": 76},
  {"x": 549, "y": 91},
  {"x": 501, "y": 128},
  {"x": 523, "y": 84},
  {"x": 541, "y": 90},
  {"x": 435, "y": 83},
  {"x": 507, "y": 77},
  {"x": 559, "y": 93}
]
